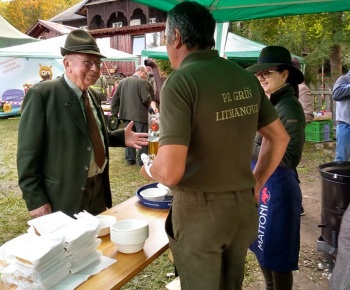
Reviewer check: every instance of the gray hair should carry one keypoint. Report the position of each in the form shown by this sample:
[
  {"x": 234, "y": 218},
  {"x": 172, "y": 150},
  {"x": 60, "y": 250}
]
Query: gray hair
[
  {"x": 140, "y": 68},
  {"x": 195, "y": 24}
]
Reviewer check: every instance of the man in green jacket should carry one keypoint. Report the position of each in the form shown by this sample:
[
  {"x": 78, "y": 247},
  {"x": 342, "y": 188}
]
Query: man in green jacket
[
  {"x": 56, "y": 159},
  {"x": 130, "y": 102}
]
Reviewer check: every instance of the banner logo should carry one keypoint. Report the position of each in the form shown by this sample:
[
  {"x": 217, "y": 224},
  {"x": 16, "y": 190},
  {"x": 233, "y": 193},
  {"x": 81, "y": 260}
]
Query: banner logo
[{"x": 265, "y": 196}]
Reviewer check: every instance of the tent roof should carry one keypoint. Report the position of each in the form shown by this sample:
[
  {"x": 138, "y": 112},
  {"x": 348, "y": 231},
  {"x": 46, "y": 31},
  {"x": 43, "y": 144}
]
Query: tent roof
[
  {"x": 237, "y": 47},
  {"x": 50, "y": 48},
  {"x": 10, "y": 36},
  {"x": 70, "y": 13},
  {"x": 246, "y": 50},
  {"x": 235, "y": 10}
]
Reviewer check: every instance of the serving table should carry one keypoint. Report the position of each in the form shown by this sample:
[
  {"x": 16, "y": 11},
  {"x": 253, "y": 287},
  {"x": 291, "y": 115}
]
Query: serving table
[{"x": 129, "y": 265}]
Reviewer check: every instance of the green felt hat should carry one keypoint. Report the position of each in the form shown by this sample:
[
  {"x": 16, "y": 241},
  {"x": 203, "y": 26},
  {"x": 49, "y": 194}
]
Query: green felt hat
[{"x": 80, "y": 41}]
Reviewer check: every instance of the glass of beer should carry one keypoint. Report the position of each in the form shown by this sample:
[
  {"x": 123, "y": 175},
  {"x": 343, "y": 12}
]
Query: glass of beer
[{"x": 153, "y": 135}]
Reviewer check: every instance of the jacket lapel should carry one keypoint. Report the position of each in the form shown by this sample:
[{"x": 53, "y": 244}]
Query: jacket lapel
[
  {"x": 97, "y": 104},
  {"x": 73, "y": 107}
]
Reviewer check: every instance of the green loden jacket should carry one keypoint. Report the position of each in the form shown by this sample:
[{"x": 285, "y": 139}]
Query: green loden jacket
[{"x": 54, "y": 147}]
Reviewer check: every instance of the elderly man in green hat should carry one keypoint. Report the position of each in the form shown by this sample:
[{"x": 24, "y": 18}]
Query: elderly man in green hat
[{"x": 63, "y": 142}]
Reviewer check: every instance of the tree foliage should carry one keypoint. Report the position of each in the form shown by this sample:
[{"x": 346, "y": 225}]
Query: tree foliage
[
  {"x": 22, "y": 14},
  {"x": 313, "y": 35}
]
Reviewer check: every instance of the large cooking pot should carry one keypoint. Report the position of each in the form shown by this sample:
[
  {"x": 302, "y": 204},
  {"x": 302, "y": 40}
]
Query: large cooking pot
[{"x": 335, "y": 186}]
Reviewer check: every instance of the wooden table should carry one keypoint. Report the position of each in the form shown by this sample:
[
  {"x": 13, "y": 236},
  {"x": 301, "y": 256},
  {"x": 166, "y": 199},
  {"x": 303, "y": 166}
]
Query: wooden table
[{"x": 129, "y": 265}]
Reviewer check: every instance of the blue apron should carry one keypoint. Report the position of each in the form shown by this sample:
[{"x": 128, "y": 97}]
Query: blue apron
[{"x": 278, "y": 242}]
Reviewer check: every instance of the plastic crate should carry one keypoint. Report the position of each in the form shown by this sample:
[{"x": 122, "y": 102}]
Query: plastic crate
[
  {"x": 328, "y": 136},
  {"x": 319, "y": 126},
  {"x": 319, "y": 131},
  {"x": 314, "y": 137}
]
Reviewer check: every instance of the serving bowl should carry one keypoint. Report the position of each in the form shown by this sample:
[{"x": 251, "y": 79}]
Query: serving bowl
[
  {"x": 129, "y": 235},
  {"x": 165, "y": 204},
  {"x": 154, "y": 193},
  {"x": 106, "y": 222}
]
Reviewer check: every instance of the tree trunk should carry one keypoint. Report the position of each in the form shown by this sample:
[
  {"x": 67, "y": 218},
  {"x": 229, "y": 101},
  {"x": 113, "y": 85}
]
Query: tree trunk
[{"x": 336, "y": 61}]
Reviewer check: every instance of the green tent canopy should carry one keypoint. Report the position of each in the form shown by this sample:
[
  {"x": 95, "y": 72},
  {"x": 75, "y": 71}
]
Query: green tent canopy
[
  {"x": 10, "y": 36},
  {"x": 238, "y": 48},
  {"x": 236, "y": 10},
  {"x": 244, "y": 50}
]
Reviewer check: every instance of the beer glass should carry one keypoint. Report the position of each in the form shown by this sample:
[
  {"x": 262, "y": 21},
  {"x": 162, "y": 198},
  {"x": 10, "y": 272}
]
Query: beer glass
[{"x": 153, "y": 134}]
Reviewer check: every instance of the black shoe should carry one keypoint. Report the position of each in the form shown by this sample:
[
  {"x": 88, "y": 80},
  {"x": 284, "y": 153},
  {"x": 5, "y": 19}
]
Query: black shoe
[
  {"x": 139, "y": 163},
  {"x": 130, "y": 163},
  {"x": 302, "y": 211}
]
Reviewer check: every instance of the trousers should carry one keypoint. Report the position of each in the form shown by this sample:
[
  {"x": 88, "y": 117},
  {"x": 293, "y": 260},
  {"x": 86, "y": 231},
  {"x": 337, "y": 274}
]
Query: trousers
[
  {"x": 130, "y": 152},
  {"x": 94, "y": 196},
  {"x": 343, "y": 142},
  {"x": 209, "y": 234}
]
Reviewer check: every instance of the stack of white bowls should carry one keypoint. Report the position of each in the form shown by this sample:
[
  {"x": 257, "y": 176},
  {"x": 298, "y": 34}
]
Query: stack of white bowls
[
  {"x": 129, "y": 235},
  {"x": 106, "y": 222}
]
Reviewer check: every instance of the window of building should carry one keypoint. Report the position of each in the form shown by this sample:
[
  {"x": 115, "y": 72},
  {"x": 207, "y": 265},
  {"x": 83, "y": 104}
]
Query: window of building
[{"x": 138, "y": 44}]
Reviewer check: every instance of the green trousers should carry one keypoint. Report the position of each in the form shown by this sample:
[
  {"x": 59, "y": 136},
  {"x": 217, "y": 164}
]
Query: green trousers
[{"x": 209, "y": 234}]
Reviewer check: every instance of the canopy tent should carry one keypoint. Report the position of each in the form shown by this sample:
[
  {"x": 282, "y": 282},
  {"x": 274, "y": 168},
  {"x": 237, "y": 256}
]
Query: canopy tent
[
  {"x": 50, "y": 49},
  {"x": 244, "y": 50},
  {"x": 10, "y": 36},
  {"x": 236, "y": 10},
  {"x": 238, "y": 48},
  {"x": 21, "y": 66}
]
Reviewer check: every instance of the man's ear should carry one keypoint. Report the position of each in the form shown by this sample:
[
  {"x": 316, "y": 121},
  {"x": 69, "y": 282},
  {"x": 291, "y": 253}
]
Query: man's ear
[{"x": 177, "y": 38}]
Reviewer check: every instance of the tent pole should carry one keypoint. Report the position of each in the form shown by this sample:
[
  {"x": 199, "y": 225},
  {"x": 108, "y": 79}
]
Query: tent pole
[{"x": 220, "y": 36}]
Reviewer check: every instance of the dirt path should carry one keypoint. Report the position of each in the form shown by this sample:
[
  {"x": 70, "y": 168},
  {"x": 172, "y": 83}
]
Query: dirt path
[{"x": 309, "y": 276}]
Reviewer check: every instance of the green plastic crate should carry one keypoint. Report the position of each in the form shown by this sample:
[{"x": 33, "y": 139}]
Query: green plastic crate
[
  {"x": 328, "y": 136},
  {"x": 319, "y": 126},
  {"x": 319, "y": 131},
  {"x": 314, "y": 137}
]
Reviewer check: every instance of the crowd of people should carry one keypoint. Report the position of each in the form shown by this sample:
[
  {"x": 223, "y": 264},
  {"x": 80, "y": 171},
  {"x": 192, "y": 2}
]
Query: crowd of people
[{"x": 230, "y": 142}]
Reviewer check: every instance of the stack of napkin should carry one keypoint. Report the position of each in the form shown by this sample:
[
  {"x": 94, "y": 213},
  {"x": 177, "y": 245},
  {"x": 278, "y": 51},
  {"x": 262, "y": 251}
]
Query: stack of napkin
[
  {"x": 81, "y": 241},
  {"x": 54, "y": 247},
  {"x": 34, "y": 262}
]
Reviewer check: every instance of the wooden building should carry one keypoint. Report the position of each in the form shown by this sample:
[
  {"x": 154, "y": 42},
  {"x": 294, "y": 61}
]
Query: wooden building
[{"x": 127, "y": 25}]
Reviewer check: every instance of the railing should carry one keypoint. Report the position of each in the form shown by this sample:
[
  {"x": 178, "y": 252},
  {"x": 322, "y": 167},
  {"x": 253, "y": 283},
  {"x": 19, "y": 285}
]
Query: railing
[{"x": 323, "y": 99}]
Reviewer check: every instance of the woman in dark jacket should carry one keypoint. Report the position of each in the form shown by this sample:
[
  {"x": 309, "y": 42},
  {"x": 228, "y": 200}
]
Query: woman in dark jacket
[{"x": 278, "y": 242}]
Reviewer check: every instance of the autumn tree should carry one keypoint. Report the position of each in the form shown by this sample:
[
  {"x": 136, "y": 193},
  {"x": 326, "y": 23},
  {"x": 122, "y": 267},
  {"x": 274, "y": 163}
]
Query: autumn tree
[
  {"x": 321, "y": 37},
  {"x": 22, "y": 14}
]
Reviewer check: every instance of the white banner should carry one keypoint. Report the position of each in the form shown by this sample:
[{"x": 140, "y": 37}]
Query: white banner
[{"x": 17, "y": 75}]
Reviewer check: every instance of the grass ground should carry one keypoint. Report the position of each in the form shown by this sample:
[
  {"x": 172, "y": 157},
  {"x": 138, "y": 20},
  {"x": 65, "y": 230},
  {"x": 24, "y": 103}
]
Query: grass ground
[{"x": 124, "y": 182}]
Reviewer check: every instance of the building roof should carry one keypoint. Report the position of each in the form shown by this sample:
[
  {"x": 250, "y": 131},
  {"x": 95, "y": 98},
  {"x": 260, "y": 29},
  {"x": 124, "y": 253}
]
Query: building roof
[
  {"x": 144, "y": 28},
  {"x": 70, "y": 13},
  {"x": 52, "y": 26}
]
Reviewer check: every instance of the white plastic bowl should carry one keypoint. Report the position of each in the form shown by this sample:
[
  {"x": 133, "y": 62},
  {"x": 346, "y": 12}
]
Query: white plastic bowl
[
  {"x": 154, "y": 194},
  {"x": 130, "y": 249},
  {"x": 129, "y": 235},
  {"x": 106, "y": 222}
]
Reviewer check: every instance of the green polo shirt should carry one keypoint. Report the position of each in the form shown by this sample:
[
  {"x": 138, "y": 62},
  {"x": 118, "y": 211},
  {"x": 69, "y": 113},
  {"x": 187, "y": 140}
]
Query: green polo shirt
[{"x": 214, "y": 107}]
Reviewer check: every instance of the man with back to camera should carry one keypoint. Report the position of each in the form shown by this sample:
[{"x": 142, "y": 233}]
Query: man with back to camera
[
  {"x": 62, "y": 156},
  {"x": 131, "y": 101},
  {"x": 341, "y": 95},
  {"x": 209, "y": 122}
]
